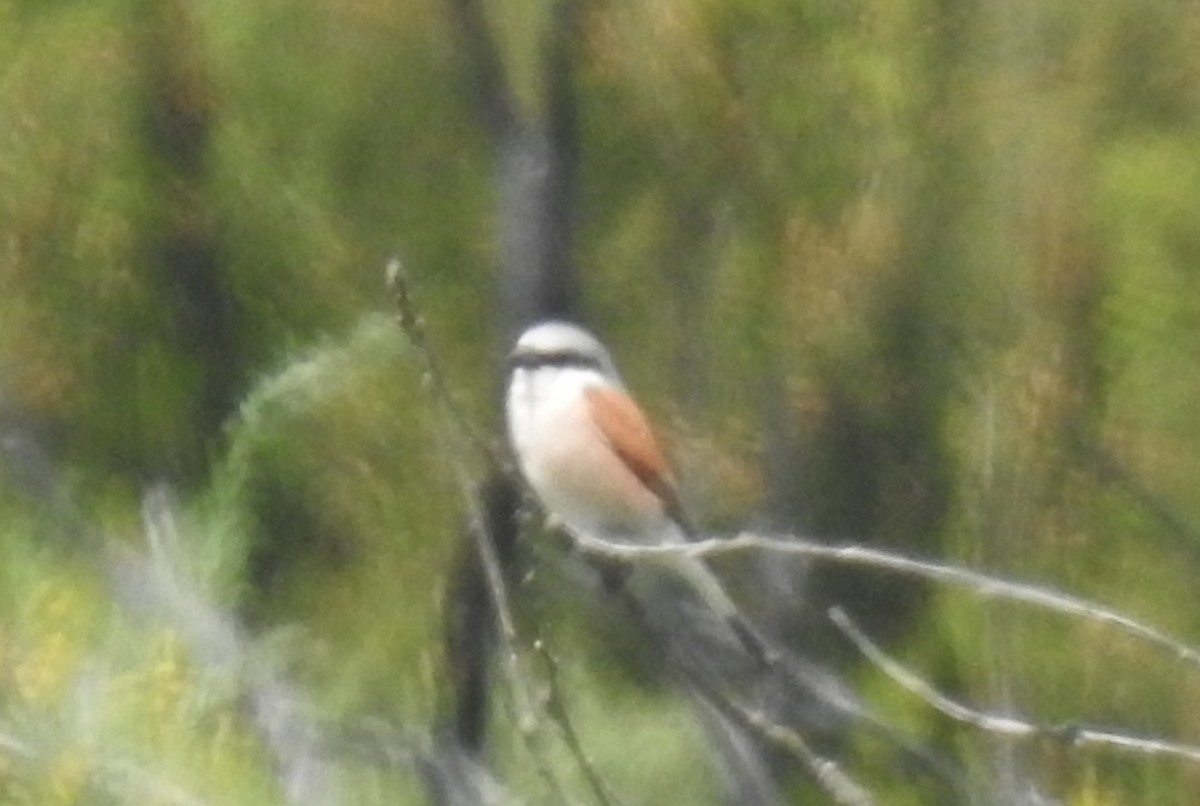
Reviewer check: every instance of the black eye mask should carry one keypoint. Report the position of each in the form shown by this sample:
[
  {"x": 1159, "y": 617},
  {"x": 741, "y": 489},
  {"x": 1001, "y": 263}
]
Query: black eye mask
[{"x": 564, "y": 359}]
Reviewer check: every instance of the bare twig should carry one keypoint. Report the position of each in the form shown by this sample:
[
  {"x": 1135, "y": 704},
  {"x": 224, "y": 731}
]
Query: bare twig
[
  {"x": 459, "y": 436},
  {"x": 556, "y": 706},
  {"x": 432, "y": 373},
  {"x": 977, "y": 582},
  {"x": 1018, "y": 727},
  {"x": 844, "y": 790},
  {"x": 837, "y": 783},
  {"x": 757, "y": 724},
  {"x": 529, "y": 723}
]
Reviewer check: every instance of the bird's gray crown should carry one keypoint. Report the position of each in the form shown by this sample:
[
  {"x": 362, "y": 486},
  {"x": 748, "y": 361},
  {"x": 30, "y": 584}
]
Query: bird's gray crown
[{"x": 560, "y": 344}]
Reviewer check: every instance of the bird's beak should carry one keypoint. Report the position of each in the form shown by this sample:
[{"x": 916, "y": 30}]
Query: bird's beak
[{"x": 514, "y": 359}]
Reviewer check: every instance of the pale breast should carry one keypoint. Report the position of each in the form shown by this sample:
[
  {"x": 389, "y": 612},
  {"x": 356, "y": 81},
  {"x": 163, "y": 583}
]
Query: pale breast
[{"x": 570, "y": 465}]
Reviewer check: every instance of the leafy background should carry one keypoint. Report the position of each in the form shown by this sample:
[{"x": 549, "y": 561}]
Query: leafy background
[{"x": 911, "y": 273}]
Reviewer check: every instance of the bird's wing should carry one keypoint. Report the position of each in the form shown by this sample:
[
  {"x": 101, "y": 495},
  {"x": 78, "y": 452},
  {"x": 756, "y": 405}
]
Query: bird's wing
[{"x": 632, "y": 440}]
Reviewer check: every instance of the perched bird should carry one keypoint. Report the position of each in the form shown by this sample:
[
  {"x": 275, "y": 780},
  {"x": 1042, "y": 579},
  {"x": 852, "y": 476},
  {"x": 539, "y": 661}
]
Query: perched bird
[{"x": 588, "y": 453}]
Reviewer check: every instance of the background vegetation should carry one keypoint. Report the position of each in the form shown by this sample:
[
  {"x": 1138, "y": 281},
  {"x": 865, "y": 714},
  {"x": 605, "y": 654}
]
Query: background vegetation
[{"x": 911, "y": 273}]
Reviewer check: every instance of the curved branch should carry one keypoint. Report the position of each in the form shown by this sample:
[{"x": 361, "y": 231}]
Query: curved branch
[
  {"x": 1068, "y": 734},
  {"x": 977, "y": 582}
]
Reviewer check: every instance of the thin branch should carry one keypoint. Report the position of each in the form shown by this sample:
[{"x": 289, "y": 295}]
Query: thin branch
[
  {"x": 840, "y": 786},
  {"x": 827, "y": 774},
  {"x": 556, "y": 706},
  {"x": 977, "y": 582},
  {"x": 432, "y": 373},
  {"x": 459, "y": 435},
  {"x": 844, "y": 790},
  {"x": 528, "y": 721},
  {"x": 1018, "y": 727}
]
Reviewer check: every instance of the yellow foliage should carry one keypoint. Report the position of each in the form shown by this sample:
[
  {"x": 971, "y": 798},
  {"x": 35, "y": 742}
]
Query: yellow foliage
[
  {"x": 42, "y": 674},
  {"x": 167, "y": 679},
  {"x": 41, "y": 671}
]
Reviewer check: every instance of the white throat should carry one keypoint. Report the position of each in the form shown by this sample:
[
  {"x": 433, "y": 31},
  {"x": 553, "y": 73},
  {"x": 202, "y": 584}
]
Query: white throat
[{"x": 537, "y": 394}]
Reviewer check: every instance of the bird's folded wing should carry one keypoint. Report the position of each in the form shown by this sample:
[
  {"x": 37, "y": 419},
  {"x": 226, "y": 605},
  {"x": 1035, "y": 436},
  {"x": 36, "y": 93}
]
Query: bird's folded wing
[{"x": 629, "y": 434}]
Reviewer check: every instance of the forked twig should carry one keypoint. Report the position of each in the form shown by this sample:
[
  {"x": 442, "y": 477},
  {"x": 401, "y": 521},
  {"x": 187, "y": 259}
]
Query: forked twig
[
  {"x": 1008, "y": 725},
  {"x": 557, "y": 708}
]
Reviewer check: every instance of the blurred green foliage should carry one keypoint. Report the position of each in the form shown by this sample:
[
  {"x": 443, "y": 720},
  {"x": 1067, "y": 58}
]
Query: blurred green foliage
[{"x": 925, "y": 273}]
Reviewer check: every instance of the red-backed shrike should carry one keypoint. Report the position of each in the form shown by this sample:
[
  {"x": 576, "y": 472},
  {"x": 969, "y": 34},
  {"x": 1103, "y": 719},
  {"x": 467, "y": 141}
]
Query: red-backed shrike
[{"x": 588, "y": 453}]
